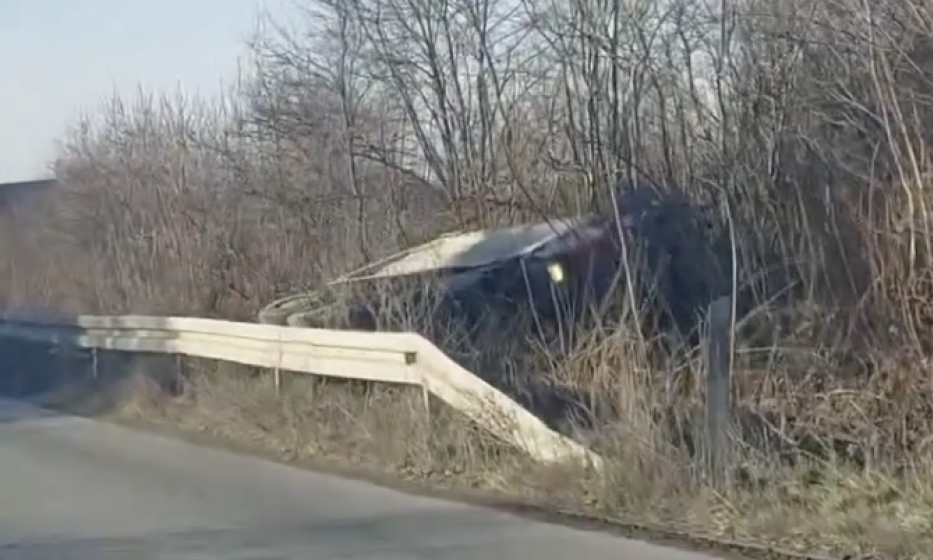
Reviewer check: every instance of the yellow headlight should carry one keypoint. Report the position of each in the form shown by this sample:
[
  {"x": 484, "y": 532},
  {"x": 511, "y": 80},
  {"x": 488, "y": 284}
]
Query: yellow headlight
[{"x": 556, "y": 272}]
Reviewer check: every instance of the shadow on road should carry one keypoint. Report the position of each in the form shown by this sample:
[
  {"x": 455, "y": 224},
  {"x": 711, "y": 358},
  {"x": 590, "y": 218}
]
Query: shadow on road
[{"x": 69, "y": 379}]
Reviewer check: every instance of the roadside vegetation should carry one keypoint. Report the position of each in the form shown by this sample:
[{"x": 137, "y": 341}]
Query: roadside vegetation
[{"x": 367, "y": 126}]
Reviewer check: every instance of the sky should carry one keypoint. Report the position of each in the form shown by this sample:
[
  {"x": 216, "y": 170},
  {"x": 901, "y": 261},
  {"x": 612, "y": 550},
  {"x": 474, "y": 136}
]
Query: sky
[{"x": 62, "y": 58}]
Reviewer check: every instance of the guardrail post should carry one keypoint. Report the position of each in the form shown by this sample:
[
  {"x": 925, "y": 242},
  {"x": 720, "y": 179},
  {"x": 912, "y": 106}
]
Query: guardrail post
[
  {"x": 179, "y": 371},
  {"x": 94, "y": 370},
  {"x": 277, "y": 377},
  {"x": 718, "y": 389},
  {"x": 410, "y": 359},
  {"x": 61, "y": 360}
]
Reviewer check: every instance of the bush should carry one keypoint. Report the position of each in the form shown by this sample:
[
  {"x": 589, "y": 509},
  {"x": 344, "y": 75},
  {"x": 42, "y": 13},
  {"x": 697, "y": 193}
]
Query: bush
[{"x": 807, "y": 143}]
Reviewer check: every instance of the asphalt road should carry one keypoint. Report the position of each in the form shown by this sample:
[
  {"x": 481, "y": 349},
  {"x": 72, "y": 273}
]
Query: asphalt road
[{"x": 72, "y": 489}]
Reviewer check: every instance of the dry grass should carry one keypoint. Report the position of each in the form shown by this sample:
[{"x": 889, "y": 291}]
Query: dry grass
[
  {"x": 170, "y": 207},
  {"x": 811, "y": 506}
]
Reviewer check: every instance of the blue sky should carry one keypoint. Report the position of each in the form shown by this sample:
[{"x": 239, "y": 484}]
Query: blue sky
[{"x": 59, "y": 58}]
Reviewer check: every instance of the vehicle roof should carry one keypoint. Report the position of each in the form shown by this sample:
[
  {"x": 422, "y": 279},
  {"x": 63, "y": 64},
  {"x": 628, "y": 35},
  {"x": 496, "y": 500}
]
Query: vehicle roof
[
  {"x": 473, "y": 250},
  {"x": 469, "y": 250}
]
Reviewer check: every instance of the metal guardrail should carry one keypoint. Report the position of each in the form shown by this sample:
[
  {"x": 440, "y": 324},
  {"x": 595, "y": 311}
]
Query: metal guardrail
[{"x": 404, "y": 358}]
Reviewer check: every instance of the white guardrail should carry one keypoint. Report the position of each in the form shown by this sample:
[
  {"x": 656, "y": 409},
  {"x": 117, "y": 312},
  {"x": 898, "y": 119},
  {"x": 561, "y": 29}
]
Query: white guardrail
[{"x": 389, "y": 357}]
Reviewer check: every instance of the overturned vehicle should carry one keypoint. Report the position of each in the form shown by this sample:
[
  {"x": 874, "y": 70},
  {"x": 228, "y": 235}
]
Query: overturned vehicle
[
  {"x": 493, "y": 299},
  {"x": 558, "y": 274}
]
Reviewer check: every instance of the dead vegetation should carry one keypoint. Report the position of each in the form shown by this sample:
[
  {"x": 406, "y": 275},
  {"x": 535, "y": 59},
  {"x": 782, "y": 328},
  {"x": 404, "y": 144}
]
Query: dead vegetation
[{"x": 352, "y": 138}]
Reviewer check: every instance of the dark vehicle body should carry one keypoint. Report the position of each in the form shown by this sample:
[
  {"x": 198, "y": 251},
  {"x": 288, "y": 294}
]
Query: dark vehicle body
[
  {"x": 559, "y": 271},
  {"x": 507, "y": 290}
]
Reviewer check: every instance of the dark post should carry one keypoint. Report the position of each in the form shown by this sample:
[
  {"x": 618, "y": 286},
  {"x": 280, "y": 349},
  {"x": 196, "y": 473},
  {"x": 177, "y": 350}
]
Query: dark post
[{"x": 718, "y": 388}]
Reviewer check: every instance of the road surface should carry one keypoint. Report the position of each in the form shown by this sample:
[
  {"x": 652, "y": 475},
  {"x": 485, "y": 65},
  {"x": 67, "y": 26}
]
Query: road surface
[{"x": 74, "y": 489}]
